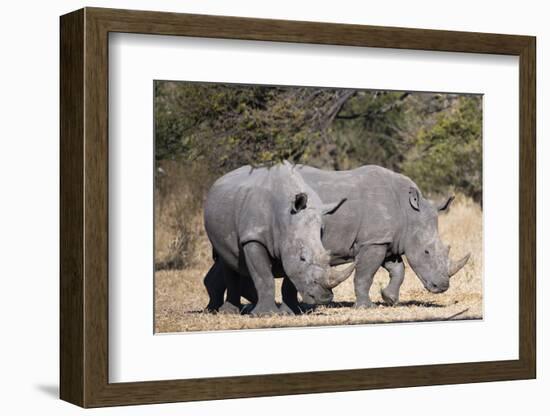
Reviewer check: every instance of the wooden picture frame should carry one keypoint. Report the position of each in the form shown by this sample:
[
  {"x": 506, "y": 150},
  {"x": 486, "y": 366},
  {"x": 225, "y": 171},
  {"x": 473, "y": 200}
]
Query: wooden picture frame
[{"x": 84, "y": 207}]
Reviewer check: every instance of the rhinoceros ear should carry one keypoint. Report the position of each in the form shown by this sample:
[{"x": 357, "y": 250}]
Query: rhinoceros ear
[
  {"x": 328, "y": 209},
  {"x": 444, "y": 206},
  {"x": 300, "y": 203},
  {"x": 414, "y": 198}
]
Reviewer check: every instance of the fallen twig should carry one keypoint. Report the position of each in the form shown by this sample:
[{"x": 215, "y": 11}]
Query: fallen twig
[{"x": 456, "y": 314}]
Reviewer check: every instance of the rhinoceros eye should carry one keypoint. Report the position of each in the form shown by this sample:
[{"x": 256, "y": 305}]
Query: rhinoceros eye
[{"x": 426, "y": 252}]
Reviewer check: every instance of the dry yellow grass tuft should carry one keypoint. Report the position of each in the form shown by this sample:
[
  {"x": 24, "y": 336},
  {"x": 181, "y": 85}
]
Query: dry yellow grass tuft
[{"x": 180, "y": 295}]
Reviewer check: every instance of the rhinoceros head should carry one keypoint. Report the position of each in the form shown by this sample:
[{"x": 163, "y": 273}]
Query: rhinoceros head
[
  {"x": 426, "y": 253},
  {"x": 304, "y": 259}
]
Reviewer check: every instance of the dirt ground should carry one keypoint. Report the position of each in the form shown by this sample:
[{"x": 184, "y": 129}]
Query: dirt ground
[{"x": 180, "y": 296}]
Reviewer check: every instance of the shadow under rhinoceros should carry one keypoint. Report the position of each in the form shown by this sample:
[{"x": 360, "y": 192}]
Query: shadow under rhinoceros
[
  {"x": 348, "y": 304},
  {"x": 307, "y": 308}
]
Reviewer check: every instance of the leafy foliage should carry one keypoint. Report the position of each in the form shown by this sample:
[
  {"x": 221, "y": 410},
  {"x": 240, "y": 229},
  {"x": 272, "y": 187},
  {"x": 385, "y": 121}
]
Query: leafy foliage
[
  {"x": 448, "y": 155},
  {"x": 433, "y": 138}
]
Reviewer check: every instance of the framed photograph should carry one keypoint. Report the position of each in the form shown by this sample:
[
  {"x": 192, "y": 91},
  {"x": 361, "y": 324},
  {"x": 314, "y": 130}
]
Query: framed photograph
[{"x": 255, "y": 207}]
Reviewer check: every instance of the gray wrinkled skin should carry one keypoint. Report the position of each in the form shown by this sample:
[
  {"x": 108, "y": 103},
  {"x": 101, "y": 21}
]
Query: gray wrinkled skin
[
  {"x": 266, "y": 222},
  {"x": 385, "y": 217}
]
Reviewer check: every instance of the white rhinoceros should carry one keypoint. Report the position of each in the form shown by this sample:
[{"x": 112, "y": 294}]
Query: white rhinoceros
[{"x": 266, "y": 222}]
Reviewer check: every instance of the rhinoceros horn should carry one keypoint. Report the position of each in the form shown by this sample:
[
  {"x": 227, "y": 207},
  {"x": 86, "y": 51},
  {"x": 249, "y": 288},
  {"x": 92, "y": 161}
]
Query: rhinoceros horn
[
  {"x": 336, "y": 277},
  {"x": 455, "y": 266}
]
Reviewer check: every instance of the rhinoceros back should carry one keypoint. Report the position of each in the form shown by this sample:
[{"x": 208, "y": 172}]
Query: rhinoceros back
[{"x": 372, "y": 213}]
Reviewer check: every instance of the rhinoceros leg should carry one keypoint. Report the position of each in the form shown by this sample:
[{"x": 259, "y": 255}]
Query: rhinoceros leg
[
  {"x": 233, "y": 298},
  {"x": 288, "y": 290},
  {"x": 248, "y": 291},
  {"x": 395, "y": 266},
  {"x": 290, "y": 297},
  {"x": 258, "y": 263},
  {"x": 214, "y": 281},
  {"x": 368, "y": 261}
]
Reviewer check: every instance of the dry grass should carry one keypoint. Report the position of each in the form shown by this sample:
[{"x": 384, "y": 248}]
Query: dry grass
[
  {"x": 180, "y": 295},
  {"x": 180, "y": 239}
]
